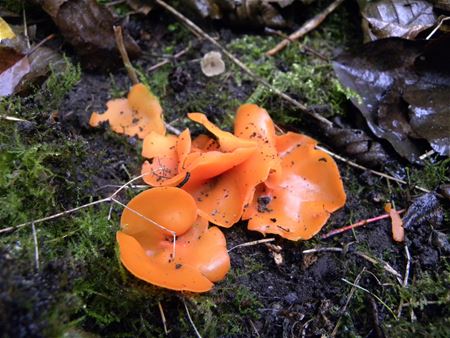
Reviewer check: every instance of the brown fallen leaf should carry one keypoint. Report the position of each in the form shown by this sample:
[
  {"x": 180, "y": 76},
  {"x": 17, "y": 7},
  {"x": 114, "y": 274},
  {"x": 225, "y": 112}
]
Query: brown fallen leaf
[
  {"x": 88, "y": 27},
  {"x": 398, "y": 232},
  {"x": 13, "y": 67}
]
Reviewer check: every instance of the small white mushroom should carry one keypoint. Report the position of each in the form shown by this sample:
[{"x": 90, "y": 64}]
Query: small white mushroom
[{"x": 212, "y": 64}]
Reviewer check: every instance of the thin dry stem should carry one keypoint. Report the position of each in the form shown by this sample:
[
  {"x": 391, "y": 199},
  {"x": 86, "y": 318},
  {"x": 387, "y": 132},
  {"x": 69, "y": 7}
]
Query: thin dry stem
[
  {"x": 307, "y": 27},
  {"x": 12, "y": 118},
  {"x": 36, "y": 247},
  {"x": 163, "y": 318},
  {"x": 378, "y": 173},
  {"x": 190, "y": 320},
  {"x": 240, "y": 64},
  {"x": 167, "y": 60},
  {"x": 347, "y": 302},
  {"x": 48, "y": 218},
  {"x": 123, "y": 53},
  {"x": 375, "y": 261},
  {"x": 356, "y": 225},
  {"x": 25, "y": 27},
  {"x": 103, "y": 200},
  {"x": 265, "y": 240},
  {"x": 373, "y": 295},
  {"x": 408, "y": 266},
  {"x": 437, "y": 27}
]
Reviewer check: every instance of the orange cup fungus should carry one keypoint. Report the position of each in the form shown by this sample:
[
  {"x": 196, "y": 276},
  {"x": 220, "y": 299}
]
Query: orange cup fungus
[
  {"x": 280, "y": 184},
  {"x": 138, "y": 114},
  {"x": 196, "y": 259}
]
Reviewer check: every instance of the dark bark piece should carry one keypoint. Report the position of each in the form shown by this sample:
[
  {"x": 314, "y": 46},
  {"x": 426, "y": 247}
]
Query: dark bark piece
[
  {"x": 250, "y": 13},
  {"x": 357, "y": 144}
]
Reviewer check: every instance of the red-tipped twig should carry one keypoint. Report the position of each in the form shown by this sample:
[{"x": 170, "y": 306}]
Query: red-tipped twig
[{"x": 356, "y": 225}]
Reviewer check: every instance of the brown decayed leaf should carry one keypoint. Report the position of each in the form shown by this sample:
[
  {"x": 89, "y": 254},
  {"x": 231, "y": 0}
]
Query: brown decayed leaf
[{"x": 88, "y": 27}]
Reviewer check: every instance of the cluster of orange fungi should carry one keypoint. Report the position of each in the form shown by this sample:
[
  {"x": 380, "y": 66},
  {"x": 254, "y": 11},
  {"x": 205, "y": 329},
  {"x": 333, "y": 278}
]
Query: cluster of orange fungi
[{"x": 280, "y": 184}]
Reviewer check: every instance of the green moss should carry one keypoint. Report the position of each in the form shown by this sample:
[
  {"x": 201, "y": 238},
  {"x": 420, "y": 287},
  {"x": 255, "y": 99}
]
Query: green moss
[
  {"x": 431, "y": 175},
  {"x": 60, "y": 83},
  {"x": 24, "y": 179},
  {"x": 303, "y": 76},
  {"x": 229, "y": 308},
  {"x": 157, "y": 81},
  {"x": 429, "y": 299}
]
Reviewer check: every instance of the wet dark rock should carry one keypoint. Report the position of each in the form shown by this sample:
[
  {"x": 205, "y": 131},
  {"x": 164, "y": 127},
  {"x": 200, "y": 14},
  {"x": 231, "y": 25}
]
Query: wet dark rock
[
  {"x": 425, "y": 209},
  {"x": 440, "y": 241}
]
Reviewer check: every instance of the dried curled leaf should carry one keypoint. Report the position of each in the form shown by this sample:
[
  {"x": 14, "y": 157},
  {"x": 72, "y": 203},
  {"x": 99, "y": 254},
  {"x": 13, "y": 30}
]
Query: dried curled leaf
[{"x": 397, "y": 18}]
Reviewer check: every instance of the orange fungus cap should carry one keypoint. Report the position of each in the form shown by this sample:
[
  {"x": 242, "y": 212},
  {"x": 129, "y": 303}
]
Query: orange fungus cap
[
  {"x": 139, "y": 114},
  {"x": 298, "y": 203},
  {"x": 146, "y": 250}
]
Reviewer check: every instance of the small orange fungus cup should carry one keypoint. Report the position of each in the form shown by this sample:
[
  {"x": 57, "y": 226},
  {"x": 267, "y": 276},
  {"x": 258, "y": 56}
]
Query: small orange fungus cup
[
  {"x": 146, "y": 242},
  {"x": 137, "y": 115}
]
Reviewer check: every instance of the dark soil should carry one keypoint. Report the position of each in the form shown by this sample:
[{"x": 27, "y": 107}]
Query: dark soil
[{"x": 305, "y": 296}]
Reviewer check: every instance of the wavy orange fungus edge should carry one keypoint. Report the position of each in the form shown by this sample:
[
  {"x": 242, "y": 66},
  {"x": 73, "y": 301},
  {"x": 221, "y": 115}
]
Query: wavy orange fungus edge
[
  {"x": 283, "y": 185},
  {"x": 146, "y": 249},
  {"x": 137, "y": 115}
]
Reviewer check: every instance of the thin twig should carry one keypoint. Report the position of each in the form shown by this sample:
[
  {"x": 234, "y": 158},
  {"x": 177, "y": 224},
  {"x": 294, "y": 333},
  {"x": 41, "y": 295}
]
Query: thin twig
[
  {"x": 103, "y": 200},
  {"x": 317, "y": 250},
  {"x": 378, "y": 173},
  {"x": 36, "y": 246},
  {"x": 376, "y": 261},
  {"x": 307, "y": 27},
  {"x": 25, "y": 27},
  {"x": 167, "y": 60},
  {"x": 12, "y": 118},
  {"x": 307, "y": 48},
  {"x": 190, "y": 320},
  {"x": 427, "y": 154},
  {"x": 347, "y": 302},
  {"x": 385, "y": 265},
  {"x": 173, "y": 233},
  {"x": 408, "y": 266},
  {"x": 240, "y": 64},
  {"x": 48, "y": 218},
  {"x": 172, "y": 129},
  {"x": 32, "y": 50},
  {"x": 163, "y": 318},
  {"x": 356, "y": 225},
  {"x": 123, "y": 53},
  {"x": 373, "y": 295},
  {"x": 254, "y": 328},
  {"x": 130, "y": 69},
  {"x": 265, "y": 240},
  {"x": 437, "y": 27}
]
